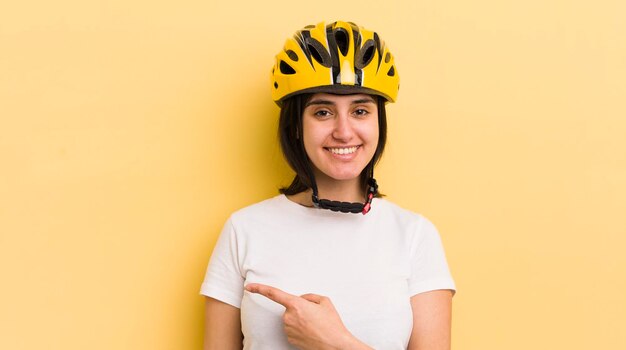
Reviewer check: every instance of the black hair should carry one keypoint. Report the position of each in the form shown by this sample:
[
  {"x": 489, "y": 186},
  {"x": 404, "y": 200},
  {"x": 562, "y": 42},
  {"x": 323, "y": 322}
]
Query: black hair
[{"x": 292, "y": 146}]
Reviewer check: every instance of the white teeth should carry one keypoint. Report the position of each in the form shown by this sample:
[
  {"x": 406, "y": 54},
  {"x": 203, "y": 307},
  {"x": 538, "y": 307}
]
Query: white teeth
[{"x": 347, "y": 150}]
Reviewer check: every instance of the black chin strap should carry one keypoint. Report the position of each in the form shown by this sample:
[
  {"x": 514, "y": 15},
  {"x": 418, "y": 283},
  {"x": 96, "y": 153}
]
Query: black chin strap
[
  {"x": 344, "y": 207},
  {"x": 347, "y": 207}
]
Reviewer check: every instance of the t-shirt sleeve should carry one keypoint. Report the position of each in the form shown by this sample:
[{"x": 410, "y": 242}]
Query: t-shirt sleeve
[
  {"x": 429, "y": 268},
  {"x": 224, "y": 280}
]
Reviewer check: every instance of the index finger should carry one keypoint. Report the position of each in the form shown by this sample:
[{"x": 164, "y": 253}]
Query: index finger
[{"x": 283, "y": 298}]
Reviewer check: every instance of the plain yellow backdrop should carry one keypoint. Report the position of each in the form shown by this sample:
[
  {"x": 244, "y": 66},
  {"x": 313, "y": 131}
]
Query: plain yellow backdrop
[{"x": 130, "y": 130}]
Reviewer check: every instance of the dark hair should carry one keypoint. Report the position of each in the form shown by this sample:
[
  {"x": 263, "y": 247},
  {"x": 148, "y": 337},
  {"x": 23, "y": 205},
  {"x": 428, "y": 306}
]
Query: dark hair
[{"x": 292, "y": 146}]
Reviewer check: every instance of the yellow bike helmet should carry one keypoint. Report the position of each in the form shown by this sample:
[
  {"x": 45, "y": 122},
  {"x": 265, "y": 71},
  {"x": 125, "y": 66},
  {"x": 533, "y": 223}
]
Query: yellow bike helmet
[{"x": 338, "y": 57}]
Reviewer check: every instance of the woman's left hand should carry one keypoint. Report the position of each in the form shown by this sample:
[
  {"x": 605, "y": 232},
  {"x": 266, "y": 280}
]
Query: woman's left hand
[{"x": 310, "y": 320}]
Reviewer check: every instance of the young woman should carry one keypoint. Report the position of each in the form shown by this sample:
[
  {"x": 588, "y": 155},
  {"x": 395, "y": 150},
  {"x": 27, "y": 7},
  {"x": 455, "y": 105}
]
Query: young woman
[{"x": 305, "y": 270}]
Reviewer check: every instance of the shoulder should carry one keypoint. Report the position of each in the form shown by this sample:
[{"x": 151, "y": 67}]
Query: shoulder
[
  {"x": 271, "y": 213},
  {"x": 242, "y": 222},
  {"x": 391, "y": 211},
  {"x": 394, "y": 215},
  {"x": 263, "y": 209}
]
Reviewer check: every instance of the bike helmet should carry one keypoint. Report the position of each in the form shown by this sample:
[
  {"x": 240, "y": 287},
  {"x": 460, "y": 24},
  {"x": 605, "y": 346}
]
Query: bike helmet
[{"x": 338, "y": 57}]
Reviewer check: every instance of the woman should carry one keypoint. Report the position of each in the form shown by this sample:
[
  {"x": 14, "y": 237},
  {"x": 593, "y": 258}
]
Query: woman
[{"x": 286, "y": 273}]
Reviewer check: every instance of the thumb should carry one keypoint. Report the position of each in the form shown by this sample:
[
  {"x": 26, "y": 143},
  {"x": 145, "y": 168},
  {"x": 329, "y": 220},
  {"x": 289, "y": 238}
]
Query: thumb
[{"x": 314, "y": 298}]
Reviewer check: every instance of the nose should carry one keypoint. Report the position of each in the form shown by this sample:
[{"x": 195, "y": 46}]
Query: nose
[{"x": 343, "y": 130}]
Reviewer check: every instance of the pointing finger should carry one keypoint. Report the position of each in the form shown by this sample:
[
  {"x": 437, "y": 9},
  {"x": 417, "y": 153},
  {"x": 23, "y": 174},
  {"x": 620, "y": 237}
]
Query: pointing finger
[
  {"x": 314, "y": 298},
  {"x": 283, "y": 298}
]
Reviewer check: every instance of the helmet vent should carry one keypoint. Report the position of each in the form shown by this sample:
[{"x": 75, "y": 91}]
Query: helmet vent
[
  {"x": 318, "y": 52},
  {"x": 365, "y": 55},
  {"x": 275, "y": 85},
  {"x": 285, "y": 68},
  {"x": 292, "y": 55},
  {"x": 391, "y": 72},
  {"x": 387, "y": 57},
  {"x": 341, "y": 38}
]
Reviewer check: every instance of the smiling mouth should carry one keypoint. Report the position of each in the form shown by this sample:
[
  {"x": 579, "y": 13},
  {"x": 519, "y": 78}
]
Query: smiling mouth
[{"x": 342, "y": 150}]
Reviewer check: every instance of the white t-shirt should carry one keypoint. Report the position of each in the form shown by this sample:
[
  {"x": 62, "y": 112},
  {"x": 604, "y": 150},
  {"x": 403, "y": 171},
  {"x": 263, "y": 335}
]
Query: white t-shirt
[{"x": 368, "y": 265}]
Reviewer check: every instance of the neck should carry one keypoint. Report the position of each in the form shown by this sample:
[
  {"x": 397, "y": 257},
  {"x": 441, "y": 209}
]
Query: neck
[
  {"x": 336, "y": 190},
  {"x": 340, "y": 190}
]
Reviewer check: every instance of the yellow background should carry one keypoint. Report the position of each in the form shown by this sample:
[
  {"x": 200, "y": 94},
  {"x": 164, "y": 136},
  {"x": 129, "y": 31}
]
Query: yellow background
[{"x": 129, "y": 130}]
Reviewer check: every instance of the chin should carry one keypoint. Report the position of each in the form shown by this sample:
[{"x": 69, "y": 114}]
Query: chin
[{"x": 342, "y": 175}]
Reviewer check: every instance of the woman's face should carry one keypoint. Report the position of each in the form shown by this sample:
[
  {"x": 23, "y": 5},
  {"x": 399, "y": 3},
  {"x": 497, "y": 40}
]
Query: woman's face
[{"x": 340, "y": 134}]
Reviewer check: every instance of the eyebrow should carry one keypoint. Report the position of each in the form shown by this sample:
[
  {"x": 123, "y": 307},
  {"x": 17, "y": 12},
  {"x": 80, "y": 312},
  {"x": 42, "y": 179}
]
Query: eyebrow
[{"x": 330, "y": 103}]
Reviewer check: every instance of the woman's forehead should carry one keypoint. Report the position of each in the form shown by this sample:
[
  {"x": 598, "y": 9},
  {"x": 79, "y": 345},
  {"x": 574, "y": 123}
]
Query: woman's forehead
[{"x": 340, "y": 98}]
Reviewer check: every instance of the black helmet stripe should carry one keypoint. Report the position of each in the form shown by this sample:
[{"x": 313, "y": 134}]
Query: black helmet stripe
[
  {"x": 334, "y": 54},
  {"x": 380, "y": 50},
  {"x": 356, "y": 34},
  {"x": 301, "y": 38}
]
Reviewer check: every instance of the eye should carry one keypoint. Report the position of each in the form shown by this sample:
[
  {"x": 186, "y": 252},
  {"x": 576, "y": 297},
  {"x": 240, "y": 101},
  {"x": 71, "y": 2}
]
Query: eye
[
  {"x": 322, "y": 113},
  {"x": 360, "y": 112}
]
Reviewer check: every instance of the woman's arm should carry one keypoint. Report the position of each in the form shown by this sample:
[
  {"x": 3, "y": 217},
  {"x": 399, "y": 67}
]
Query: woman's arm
[
  {"x": 222, "y": 326},
  {"x": 432, "y": 314}
]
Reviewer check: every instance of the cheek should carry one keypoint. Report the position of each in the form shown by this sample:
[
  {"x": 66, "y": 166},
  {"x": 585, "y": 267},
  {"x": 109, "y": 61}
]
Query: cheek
[
  {"x": 315, "y": 132},
  {"x": 375, "y": 136},
  {"x": 370, "y": 133},
  {"x": 312, "y": 138}
]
